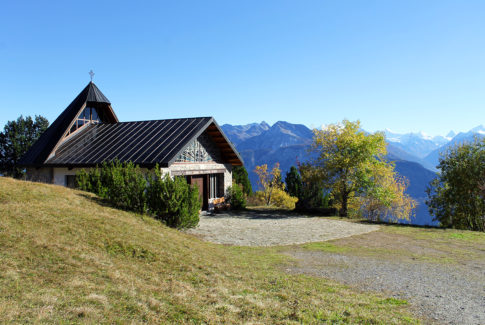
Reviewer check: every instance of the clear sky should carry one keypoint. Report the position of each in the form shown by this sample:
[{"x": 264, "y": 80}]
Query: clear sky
[{"x": 403, "y": 65}]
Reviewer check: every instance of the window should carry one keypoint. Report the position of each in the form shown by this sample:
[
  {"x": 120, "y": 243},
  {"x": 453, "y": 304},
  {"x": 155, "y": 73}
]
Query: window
[
  {"x": 216, "y": 185},
  {"x": 89, "y": 115},
  {"x": 71, "y": 181}
]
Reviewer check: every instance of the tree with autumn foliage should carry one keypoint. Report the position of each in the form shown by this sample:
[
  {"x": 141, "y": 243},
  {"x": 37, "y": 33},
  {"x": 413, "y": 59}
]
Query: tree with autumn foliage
[
  {"x": 353, "y": 167},
  {"x": 272, "y": 188},
  {"x": 385, "y": 198}
]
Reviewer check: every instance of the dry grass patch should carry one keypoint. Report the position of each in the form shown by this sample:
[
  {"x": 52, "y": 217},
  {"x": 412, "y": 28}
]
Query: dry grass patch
[
  {"x": 408, "y": 243},
  {"x": 66, "y": 257}
]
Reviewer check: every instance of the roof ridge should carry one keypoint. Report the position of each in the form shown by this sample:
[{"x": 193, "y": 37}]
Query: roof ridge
[{"x": 171, "y": 119}]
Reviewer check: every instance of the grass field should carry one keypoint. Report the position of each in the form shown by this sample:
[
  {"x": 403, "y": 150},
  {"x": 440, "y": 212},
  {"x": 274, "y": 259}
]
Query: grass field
[
  {"x": 66, "y": 258},
  {"x": 409, "y": 243}
]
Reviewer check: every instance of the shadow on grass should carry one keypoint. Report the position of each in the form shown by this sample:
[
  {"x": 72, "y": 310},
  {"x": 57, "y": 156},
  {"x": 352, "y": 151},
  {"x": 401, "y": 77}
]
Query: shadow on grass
[
  {"x": 103, "y": 202},
  {"x": 402, "y": 225},
  {"x": 273, "y": 213},
  {"x": 259, "y": 213},
  {"x": 97, "y": 200}
]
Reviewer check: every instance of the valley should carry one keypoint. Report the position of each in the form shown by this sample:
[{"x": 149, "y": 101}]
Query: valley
[{"x": 415, "y": 154}]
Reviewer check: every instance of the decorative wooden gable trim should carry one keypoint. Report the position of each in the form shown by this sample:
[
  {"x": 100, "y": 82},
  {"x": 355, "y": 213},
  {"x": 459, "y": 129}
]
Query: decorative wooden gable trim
[
  {"x": 214, "y": 138},
  {"x": 201, "y": 150}
]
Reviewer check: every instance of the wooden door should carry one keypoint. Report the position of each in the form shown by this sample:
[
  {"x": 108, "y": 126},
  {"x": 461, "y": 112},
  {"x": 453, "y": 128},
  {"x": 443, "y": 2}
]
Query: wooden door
[{"x": 201, "y": 182}]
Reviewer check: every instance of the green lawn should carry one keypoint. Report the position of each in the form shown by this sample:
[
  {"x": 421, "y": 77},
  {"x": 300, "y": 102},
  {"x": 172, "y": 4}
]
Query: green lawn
[{"x": 65, "y": 258}]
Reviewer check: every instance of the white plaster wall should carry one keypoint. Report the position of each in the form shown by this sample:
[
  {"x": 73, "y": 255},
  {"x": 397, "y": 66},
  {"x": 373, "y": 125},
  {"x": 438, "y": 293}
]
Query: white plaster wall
[
  {"x": 227, "y": 178},
  {"x": 60, "y": 174}
]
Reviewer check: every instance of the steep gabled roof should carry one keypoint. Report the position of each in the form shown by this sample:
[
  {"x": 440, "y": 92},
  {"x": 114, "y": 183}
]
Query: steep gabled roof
[
  {"x": 144, "y": 143},
  {"x": 52, "y": 137}
]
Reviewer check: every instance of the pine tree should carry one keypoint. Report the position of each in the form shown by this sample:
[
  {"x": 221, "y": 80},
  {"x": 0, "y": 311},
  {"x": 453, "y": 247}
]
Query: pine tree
[
  {"x": 17, "y": 137},
  {"x": 240, "y": 176}
]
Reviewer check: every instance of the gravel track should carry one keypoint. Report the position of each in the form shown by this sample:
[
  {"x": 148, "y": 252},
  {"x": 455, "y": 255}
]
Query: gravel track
[
  {"x": 447, "y": 294},
  {"x": 440, "y": 293},
  {"x": 252, "y": 228}
]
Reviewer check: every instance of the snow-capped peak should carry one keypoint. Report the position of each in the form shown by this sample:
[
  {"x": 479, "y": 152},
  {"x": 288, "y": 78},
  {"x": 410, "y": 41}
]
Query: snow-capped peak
[
  {"x": 450, "y": 135},
  {"x": 479, "y": 129},
  {"x": 425, "y": 136}
]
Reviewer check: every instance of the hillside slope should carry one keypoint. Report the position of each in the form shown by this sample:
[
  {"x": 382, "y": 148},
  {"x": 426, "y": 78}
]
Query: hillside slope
[{"x": 66, "y": 257}]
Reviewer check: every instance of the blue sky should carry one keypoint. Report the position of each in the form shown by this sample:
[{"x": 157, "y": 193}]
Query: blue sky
[{"x": 403, "y": 65}]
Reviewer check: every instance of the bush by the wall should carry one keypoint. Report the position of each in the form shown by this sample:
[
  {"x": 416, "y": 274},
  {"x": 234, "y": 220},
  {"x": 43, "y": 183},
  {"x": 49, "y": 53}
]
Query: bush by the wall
[
  {"x": 236, "y": 197},
  {"x": 173, "y": 201},
  {"x": 126, "y": 186},
  {"x": 122, "y": 184}
]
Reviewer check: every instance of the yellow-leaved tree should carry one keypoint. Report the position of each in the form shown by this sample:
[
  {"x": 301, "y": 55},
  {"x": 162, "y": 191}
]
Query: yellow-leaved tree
[
  {"x": 272, "y": 188},
  {"x": 356, "y": 172},
  {"x": 385, "y": 198}
]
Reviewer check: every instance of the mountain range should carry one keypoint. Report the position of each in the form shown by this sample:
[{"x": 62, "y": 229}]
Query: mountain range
[{"x": 416, "y": 155}]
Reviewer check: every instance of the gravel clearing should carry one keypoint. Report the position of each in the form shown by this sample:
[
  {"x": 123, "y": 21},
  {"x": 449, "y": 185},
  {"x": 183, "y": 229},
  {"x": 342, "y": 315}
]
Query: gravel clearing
[
  {"x": 448, "y": 294},
  {"x": 260, "y": 228},
  {"x": 439, "y": 293}
]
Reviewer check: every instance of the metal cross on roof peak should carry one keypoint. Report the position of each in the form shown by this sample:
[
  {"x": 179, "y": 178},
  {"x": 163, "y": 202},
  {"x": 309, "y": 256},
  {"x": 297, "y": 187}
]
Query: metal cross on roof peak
[{"x": 91, "y": 73}]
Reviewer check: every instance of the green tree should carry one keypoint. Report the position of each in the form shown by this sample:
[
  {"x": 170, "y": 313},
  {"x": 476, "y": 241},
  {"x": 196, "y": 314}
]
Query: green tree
[
  {"x": 240, "y": 176},
  {"x": 17, "y": 137},
  {"x": 314, "y": 193},
  {"x": 456, "y": 197},
  {"x": 293, "y": 182},
  {"x": 347, "y": 157}
]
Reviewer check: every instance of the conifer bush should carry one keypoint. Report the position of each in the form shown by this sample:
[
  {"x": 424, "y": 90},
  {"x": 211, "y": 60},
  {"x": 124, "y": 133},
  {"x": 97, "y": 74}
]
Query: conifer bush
[
  {"x": 236, "y": 197},
  {"x": 122, "y": 184},
  {"x": 126, "y": 186},
  {"x": 173, "y": 201}
]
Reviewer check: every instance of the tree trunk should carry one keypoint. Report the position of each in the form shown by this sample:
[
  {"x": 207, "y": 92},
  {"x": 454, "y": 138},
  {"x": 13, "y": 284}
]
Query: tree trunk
[{"x": 345, "y": 201}]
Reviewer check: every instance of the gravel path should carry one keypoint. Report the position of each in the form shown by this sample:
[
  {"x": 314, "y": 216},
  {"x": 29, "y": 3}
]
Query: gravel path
[
  {"x": 449, "y": 294},
  {"x": 259, "y": 228},
  {"x": 442, "y": 293}
]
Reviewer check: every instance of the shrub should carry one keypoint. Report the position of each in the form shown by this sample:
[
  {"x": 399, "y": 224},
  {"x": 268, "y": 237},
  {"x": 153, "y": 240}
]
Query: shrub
[
  {"x": 125, "y": 186},
  {"x": 255, "y": 199},
  {"x": 173, "y": 201},
  {"x": 281, "y": 199},
  {"x": 236, "y": 197},
  {"x": 122, "y": 184}
]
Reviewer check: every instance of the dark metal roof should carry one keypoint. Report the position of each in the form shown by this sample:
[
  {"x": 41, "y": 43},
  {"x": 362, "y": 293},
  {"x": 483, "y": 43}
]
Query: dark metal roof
[
  {"x": 144, "y": 143},
  {"x": 48, "y": 141},
  {"x": 95, "y": 95}
]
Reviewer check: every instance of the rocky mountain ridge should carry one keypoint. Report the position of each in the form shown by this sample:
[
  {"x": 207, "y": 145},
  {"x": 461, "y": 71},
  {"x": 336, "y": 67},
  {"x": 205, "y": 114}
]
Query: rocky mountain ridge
[{"x": 415, "y": 154}]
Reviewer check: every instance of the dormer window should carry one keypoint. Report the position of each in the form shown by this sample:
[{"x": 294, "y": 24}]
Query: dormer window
[{"x": 89, "y": 115}]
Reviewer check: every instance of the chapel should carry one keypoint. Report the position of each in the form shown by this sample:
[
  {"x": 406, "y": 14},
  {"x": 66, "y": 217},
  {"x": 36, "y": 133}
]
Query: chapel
[{"x": 88, "y": 133}]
